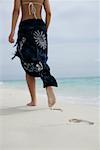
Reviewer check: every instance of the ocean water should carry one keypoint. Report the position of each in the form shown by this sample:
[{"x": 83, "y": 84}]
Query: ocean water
[{"x": 72, "y": 90}]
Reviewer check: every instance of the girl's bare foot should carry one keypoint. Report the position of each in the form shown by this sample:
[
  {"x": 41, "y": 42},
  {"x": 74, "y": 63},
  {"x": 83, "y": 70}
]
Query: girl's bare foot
[
  {"x": 51, "y": 96},
  {"x": 51, "y": 102},
  {"x": 31, "y": 104}
]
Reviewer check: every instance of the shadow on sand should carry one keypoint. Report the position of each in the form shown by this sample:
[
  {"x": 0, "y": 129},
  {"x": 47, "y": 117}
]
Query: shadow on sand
[{"x": 20, "y": 109}]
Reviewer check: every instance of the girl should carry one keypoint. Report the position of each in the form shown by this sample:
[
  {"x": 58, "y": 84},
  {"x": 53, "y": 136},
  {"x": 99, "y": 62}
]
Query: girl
[{"x": 32, "y": 45}]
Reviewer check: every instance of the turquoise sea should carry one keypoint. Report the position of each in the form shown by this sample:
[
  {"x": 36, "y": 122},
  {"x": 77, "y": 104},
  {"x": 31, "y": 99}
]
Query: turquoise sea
[{"x": 73, "y": 90}]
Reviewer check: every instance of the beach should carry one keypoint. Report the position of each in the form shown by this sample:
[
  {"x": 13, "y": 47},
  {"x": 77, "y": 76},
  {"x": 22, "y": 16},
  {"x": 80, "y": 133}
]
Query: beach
[
  {"x": 73, "y": 56},
  {"x": 69, "y": 126}
]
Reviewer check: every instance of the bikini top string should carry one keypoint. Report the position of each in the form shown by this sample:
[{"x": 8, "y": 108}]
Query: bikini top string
[{"x": 31, "y": 7}]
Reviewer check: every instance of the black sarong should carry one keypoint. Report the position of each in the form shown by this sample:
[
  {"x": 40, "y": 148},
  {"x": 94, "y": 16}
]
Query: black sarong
[{"x": 32, "y": 49}]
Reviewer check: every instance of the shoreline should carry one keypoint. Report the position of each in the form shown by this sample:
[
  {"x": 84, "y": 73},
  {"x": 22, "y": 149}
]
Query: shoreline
[{"x": 63, "y": 98}]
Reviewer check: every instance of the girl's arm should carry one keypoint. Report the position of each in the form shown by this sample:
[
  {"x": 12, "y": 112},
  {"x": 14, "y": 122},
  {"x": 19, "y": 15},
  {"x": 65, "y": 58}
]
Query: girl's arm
[
  {"x": 48, "y": 13},
  {"x": 15, "y": 15}
]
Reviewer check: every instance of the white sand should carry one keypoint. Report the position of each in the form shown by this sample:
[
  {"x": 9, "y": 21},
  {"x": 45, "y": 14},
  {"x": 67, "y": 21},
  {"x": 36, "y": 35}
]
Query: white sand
[{"x": 38, "y": 128}]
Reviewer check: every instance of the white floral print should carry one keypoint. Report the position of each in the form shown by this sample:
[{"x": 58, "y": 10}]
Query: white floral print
[
  {"x": 28, "y": 66},
  {"x": 22, "y": 43},
  {"x": 40, "y": 39},
  {"x": 39, "y": 66},
  {"x": 31, "y": 67}
]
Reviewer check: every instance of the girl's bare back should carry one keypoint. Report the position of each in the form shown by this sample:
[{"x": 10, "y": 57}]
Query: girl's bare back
[{"x": 31, "y": 9}]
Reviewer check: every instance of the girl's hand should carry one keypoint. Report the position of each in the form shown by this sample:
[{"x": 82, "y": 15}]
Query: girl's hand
[{"x": 11, "y": 37}]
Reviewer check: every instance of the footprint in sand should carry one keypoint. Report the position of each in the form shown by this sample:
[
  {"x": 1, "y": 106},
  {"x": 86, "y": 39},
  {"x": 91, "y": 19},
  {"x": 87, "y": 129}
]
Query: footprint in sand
[
  {"x": 81, "y": 121},
  {"x": 59, "y": 109}
]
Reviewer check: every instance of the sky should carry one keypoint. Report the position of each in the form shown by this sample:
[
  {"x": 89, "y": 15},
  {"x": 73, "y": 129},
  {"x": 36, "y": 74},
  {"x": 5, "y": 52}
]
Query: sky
[{"x": 73, "y": 39}]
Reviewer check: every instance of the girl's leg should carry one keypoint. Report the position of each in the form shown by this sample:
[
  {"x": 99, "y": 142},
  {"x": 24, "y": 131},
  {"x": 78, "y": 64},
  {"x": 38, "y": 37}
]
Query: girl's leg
[
  {"x": 51, "y": 96},
  {"x": 32, "y": 89}
]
